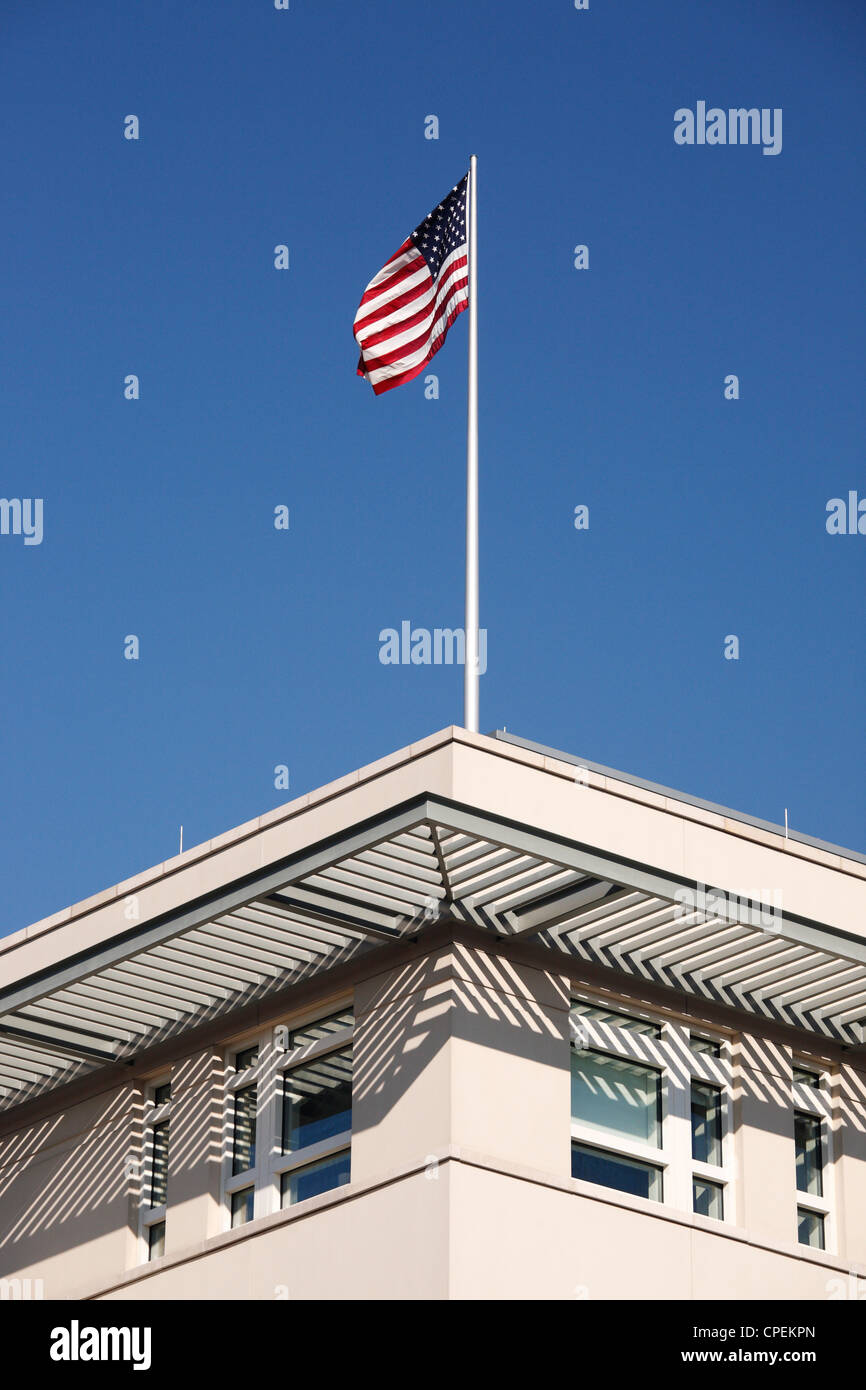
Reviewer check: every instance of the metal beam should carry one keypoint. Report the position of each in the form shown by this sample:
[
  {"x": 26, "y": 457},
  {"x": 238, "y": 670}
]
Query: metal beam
[
  {"x": 330, "y": 908},
  {"x": 60, "y": 1040},
  {"x": 631, "y": 874},
  {"x": 561, "y": 907},
  {"x": 238, "y": 894}
]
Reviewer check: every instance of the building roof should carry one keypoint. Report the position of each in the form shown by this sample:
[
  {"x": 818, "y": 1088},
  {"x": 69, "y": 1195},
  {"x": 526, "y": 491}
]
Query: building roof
[
  {"x": 493, "y": 832},
  {"x": 684, "y": 797}
]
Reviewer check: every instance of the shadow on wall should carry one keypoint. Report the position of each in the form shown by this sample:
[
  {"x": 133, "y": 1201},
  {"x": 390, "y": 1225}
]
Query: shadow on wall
[
  {"x": 62, "y": 1186},
  {"x": 405, "y": 1018},
  {"x": 763, "y": 1079},
  {"x": 59, "y": 1188},
  {"x": 467, "y": 992},
  {"x": 196, "y": 1134}
]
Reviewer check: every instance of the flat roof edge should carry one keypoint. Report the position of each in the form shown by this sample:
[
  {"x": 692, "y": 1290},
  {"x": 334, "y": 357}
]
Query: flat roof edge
[
  {"x": 299, "y": 805},
  {"x": 194, "y": 854},
  {"x": 685, "y": 797}
]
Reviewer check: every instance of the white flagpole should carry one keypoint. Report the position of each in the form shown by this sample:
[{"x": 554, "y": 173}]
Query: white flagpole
[{"x": 470, "y": 666}]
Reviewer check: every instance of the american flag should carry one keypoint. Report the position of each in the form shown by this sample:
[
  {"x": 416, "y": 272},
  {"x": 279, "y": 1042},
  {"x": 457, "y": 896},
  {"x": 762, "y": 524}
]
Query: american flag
[{"x": 407, "y": 309}]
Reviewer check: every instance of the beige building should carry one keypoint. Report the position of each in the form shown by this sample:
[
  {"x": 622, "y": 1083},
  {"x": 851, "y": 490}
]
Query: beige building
[{"x": 476, "y": 1021}]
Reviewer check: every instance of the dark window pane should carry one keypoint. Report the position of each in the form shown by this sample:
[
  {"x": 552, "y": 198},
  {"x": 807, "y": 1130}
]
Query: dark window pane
[
  {"x": 706, "y": 1124},
  {"x": 612, "y": 1170},
  {"x": 705, "y": 1045},
  {"x": 810, "y": 1228},
  {"x": 159, "y": 1164},
  {"x": 317, "y": 1101},
  {"x": 707, "y": 1198},
  {"x": 244, "y": 1151},
  {"x": 809, "y": 1160},
  {"x": 162, "y": 1094},
  {"x": 804, "y": 1077},
  {"x": 247, "y": 1058},
  {"x": 242, "y": 1206},
  {"x": 156, "y": 1240},
  {"x": 306, "y": 1182}
]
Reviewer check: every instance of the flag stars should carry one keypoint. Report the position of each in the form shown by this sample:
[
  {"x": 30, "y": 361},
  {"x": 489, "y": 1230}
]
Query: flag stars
[{"x": 443, "y": 231}]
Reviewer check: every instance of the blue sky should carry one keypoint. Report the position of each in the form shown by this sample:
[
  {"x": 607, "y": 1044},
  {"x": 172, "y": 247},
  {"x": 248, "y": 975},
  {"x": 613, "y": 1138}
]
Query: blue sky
[{"x": 601, "y": 387}]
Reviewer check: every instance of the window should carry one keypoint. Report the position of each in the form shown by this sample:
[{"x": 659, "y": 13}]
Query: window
[
  {"x": 708, "y": 1198},
  {"x": 317, "y": 1101},
  {"x": 809, "y": 1160},
  {"x": 812, "y": 1158},
  {"x": 316, "y": 1124},
  {"x": 156, "y": 1240},
  {"x": 159, "y": 1164},
  {"x": 154, "y": 1171},
  {"x": 810, "y": 1228},
  {"x": 288, "y": 1117},
  {"x": 622, "y": 1099},
  {"x": 616, "y": 1102},
  {"x": 242, "y": 1084},
  {"x": 707, "y": 1107},
  {"x": 314, "y": 1178},
  {"x": 244, "y": 1130},
  {"x": 649, "y": 1109},
  {"x": 706, "y": 1123},
  {"x": 617, "y": 1171},
  {"x": 804, "y": 1076},
  {"x": 241, "y": 1205}
]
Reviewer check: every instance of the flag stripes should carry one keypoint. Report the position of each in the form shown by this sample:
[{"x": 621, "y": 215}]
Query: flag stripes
[{"x": 408, "y": 307}]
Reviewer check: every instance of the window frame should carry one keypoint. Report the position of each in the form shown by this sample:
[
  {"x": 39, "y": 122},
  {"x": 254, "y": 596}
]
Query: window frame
[
  {"x": 148, "y": 1216},
  {"x": 816, "y": 1103},
  {"x": 810, "y": 1211},
  {"x": 713, "y": 1172},
  {"x": 291, "y": 1060},
  {"x": 247, "y": 1186},
  {"x": 720, "y": 1187},
  {"x": 275, "y": 1060},
  {"x": 671, "y": 1055},
  {"x": 239, "y": 1079},
  {"x": 596, "y": 1138},
  {"x": 606, "y": 1151}
]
